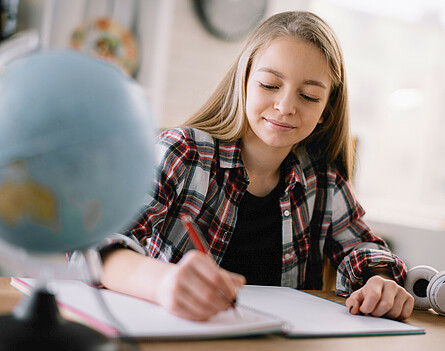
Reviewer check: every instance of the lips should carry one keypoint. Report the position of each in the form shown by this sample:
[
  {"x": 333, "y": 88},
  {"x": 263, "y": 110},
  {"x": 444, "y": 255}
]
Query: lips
[{"x": 278, "y": 125}]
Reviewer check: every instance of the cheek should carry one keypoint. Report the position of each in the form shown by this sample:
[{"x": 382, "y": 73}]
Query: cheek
[
  {"x": 251, "y": 103},
  {"x": 256, "y": 102},
  {"x": 310, "y": 120},
  {"x": 314, "y": 115}
]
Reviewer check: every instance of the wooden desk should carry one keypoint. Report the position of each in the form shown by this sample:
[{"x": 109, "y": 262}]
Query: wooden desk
[{"x": 434, "y": 339}]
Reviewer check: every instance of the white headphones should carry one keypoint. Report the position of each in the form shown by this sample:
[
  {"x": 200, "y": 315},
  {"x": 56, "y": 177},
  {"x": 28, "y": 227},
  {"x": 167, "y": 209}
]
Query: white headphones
[{"x": 427, "y": 286}]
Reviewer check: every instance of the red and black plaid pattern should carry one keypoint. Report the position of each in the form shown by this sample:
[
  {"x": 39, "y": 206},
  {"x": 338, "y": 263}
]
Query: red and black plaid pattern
[{"x": 205, "y": 178}]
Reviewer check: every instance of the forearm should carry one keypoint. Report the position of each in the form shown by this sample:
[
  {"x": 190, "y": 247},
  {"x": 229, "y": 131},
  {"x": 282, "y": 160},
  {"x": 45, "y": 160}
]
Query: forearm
[{"x": 131, "y": 273}]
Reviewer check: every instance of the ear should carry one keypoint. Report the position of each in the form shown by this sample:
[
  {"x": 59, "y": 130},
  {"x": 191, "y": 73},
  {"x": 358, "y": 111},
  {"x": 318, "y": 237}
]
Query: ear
[{"x": 324, "y": 116}]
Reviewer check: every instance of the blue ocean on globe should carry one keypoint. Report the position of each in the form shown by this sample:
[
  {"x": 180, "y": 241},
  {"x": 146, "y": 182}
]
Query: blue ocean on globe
[{"x": 76, "y": 150}]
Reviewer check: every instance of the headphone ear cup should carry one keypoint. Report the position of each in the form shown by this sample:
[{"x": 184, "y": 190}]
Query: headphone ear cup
[
  {"x": 436, "y": 293},
  {"x": 417, "y": 283}
]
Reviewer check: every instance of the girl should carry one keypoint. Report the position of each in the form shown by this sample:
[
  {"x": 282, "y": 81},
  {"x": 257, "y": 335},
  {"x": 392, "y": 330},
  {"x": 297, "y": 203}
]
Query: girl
[{"x": 263, "y": 169}]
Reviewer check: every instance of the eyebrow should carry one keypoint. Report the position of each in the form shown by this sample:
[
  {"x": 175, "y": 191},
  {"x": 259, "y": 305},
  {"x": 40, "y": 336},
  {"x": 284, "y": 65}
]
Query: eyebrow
[
  {"x": 280, "y": 75},
  {"x": 270, "y": 70},
  {"x": 316, "y": 83}
]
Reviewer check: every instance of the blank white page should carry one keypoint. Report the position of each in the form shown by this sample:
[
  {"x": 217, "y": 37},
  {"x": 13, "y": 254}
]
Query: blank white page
[
  {"x": 142, "y": 319},
  {"x": 306, "y": 315}
]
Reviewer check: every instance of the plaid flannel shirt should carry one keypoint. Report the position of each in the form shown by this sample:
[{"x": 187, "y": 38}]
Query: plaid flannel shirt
[{"x": 205, "y": 178}]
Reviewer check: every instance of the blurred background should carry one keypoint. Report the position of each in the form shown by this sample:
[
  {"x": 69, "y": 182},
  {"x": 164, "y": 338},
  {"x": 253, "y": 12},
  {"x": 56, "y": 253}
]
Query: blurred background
[{"x": 394, "y": 50}]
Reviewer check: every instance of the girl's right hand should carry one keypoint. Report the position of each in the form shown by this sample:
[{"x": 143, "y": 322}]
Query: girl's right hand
[{"x": 196, "y": 288}]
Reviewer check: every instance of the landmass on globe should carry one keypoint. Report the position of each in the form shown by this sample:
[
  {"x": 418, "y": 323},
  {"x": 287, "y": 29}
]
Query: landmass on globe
[{"x": 22, "y": 198}]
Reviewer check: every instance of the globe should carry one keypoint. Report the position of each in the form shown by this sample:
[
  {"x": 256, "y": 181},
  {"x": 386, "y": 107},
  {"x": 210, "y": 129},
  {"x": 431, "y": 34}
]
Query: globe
[{"x": 76, "y": 150}]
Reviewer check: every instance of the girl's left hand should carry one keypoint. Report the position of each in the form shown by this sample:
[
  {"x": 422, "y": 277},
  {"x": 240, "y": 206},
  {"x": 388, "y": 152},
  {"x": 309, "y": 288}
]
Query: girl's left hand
[{"x": 381, "y": 297}]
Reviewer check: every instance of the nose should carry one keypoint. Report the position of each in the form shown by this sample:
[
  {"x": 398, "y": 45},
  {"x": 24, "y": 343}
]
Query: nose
[{"x": 286, "y": 103}]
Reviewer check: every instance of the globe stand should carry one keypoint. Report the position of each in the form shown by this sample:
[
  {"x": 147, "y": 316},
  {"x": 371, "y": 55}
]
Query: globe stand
[{"x": 37, "y": 324}]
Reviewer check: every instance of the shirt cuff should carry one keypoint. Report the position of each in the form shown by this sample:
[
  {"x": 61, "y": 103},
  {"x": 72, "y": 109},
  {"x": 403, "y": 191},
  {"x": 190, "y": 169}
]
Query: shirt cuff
[
  {"x": 351, "y": 272},
  {"x": 91, "y": 273},
  {"x": 121, "y": 240}
]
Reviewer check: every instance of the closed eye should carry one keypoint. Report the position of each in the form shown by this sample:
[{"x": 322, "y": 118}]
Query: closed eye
[
  {"x": 309, "y": 98},
  {"x": 268, "y": 86}
]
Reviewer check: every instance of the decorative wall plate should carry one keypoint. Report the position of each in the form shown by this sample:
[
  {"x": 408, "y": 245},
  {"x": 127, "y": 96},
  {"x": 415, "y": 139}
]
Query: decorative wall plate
[{"x": 109, "y": 40}]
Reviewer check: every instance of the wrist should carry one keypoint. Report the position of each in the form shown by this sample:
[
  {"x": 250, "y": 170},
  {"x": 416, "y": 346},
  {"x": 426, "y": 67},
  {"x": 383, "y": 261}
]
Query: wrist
[
  {"x": 152, "y": 277},
  {"x": 129, "y": 272},
  {"x": 383, "y": 272}
]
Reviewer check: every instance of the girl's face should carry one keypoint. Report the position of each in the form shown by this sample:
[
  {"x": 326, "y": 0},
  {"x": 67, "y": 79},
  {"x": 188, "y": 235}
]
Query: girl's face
[{"x": 287, "y": 91}]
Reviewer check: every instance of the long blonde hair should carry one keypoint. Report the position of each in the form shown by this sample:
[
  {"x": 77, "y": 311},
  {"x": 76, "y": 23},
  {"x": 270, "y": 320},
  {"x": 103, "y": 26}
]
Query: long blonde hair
[{"x": 223, "y": 115}]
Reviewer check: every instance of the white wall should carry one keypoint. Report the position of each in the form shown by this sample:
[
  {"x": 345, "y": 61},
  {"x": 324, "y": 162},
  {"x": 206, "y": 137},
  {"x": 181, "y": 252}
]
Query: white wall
[
  {"x": 197, "y": 61},
  {"x": 414, "y": 245}
]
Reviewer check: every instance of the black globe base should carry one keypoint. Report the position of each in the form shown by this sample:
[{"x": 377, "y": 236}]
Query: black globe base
[{"x": 38, "y": 325}]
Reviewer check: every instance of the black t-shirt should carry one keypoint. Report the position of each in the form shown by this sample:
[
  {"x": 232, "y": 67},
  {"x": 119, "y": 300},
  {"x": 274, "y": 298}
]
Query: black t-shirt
[{"x": 255, "y": 249}]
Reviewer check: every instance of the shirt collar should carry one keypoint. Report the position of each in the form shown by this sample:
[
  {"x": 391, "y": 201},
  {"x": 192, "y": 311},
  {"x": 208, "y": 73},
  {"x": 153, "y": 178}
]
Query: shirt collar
[
  {"x": 230, "y": 157},
  {"x": 230, "y": 154},
  {"x": 293, "y": 170}
]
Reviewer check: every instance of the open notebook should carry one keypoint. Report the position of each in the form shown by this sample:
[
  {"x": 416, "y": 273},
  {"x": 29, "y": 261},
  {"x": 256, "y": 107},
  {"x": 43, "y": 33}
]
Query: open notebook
[{"x": 260, "y": 310}]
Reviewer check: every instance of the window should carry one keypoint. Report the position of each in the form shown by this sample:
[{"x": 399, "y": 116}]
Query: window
[{"x": 395, "y": 63}]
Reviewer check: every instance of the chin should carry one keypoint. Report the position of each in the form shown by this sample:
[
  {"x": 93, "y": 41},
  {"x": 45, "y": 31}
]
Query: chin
[{"x": 278, "y": 143}]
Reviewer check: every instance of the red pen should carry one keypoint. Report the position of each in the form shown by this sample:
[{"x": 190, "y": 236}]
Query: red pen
[
  {"x": 194, "y": 233},
  {"x": 197, "y": 238}
]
